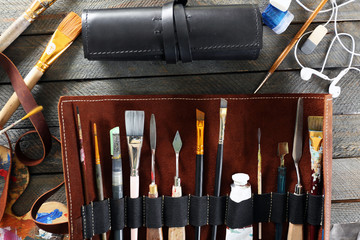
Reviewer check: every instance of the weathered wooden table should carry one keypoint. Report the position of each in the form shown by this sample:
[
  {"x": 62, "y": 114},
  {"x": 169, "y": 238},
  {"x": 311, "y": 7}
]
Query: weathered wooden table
[{"x": 74, "y": 75}]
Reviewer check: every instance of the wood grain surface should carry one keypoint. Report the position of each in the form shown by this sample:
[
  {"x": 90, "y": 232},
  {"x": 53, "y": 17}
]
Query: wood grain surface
[{"x": 74, "y": 75}]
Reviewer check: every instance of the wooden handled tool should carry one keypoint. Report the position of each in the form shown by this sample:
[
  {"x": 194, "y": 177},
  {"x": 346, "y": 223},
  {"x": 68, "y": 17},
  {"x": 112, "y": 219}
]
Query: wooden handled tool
[
  {"x": 259, "y": 176},
  {"x": 63, "y": 37},
  {"x": 296, "y": 230},
  {"x": 153, "y": 233},
  {"x": 177, "y": 233},
  {"x": 23, "y": 22}
]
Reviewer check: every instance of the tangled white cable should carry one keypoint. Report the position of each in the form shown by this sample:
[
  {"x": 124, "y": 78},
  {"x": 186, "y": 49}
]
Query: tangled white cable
[{"x": 306, "y": 72}]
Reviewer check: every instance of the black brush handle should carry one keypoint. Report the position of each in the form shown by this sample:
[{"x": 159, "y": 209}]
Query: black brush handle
[
  {"x": 219, "y": 162},
  {"x": 199, "y": 184}
]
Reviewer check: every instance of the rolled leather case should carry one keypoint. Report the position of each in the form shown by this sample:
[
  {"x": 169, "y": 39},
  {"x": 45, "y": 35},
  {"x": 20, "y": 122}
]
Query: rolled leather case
[{"x": 173, "y": 33}]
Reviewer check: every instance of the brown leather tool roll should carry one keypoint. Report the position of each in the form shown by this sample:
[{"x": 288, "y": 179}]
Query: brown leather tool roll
[{"x": 173, "y": 33}]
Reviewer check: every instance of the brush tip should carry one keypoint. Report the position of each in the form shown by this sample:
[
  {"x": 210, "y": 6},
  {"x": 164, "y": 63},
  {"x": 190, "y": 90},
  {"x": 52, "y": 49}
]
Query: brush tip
[
  {"x": 71, "y": 26},
  {"x": 315, "y": 123},
  {"x": 134, "y": 123},
  {"x": 77, "y": 110},
  {"x": 223, "y": 103},
  {"x": 200, "y": 116},
  {"x": 259, "y": 135}
]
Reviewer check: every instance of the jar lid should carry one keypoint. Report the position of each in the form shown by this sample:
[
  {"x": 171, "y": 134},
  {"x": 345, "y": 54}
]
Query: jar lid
[{"x": 240, "y": 178}]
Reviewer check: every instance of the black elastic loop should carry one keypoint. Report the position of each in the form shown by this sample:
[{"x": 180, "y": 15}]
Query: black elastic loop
[
  {"x": 134, "y": 212},
  {"x": 198, "y": 211},
  {"x": 175, "y": 211},
  {"x": 217, "y": 209},
  {"x": 168, "y": 27},
  {"x": 117, "y": 213},
  {"x": 182, "y": 33},
  {"x": 87, "y": 220},
  {"x": 315, "y": 207},
  {"x": 153, "y": 207},
  {"x": 262, "y": 204},
  {"x": 101, "y": 213},
  {"x": 240, "y": 214},
  {"x": 278, "y": 210},
  {"x": 297, "y": 208}
]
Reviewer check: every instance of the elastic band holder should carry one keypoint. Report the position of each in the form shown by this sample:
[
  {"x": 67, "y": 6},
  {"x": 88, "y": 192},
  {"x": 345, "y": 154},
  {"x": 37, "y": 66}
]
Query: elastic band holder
[
  {"x": 315, "y": 209},
  {"x": 182, "y": 33},
  {"x": 278, "y": 207},
  {"x": 153, "y": 212},
  {"x": 297, "y": 205},
  {"x": 262, "y": 206},
  {"x": 176, "y": 211},
  {"x": 198, "y": 211},
  {"x": 240, "y": 214},
  {"x": 95, "y": 218},
  {"x": 169, "y": 39},
  {"x": 134, "y": 212},
  {"x": 217, "y": 209},
  {"x": 117, "y": 213}
]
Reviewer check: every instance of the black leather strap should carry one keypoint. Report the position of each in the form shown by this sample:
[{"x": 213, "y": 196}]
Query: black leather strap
[
  {"x": 182, "y": 33},
  {"x": 169, "y": 39}
]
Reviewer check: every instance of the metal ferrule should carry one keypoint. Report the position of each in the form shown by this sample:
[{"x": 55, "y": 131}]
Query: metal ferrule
[
  {"x": 298, "y": 189},
  {"x": 223, "y": 112},
  {"x": 177, "y": 182},
  {"x": 134, "y": 144},
  {"x": 37, "y": 8},
  {"x": 200, "y": 137}
]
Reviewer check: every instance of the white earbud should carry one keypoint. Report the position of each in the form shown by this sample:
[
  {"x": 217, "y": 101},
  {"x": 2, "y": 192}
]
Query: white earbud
[
  {"x": 336, "y": 90},
  {"x": 306, "y": 74}
]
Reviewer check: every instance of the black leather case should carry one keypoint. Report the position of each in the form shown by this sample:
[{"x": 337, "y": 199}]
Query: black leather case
[{"x": 173, "y": 33}]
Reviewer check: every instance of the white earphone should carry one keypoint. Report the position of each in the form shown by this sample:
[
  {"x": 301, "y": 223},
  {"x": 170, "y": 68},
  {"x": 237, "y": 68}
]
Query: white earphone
[{"x": 307, "y": 72}]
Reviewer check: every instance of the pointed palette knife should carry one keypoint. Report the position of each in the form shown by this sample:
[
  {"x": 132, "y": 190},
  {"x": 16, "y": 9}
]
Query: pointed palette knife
[
  {"x": 177, "y": 233},
  {"x": 153, "y": 233}
]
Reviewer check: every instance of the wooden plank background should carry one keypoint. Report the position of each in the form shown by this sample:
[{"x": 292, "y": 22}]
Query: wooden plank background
[{"x": 74, "y": 75}]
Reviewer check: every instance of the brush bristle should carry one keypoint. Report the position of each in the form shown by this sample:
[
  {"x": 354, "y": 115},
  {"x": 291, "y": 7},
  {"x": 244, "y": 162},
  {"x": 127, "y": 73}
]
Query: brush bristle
[
  {"x": 134, "y": 123},
  {"x": 77, "y": 110},
  {"x": 315, "y": 123},
  {"x": 259, "y": 135},
  {"x": 71, "y": 26},
  {"x": 200, "y": 116},
  {"x": 223, "y": 103}
]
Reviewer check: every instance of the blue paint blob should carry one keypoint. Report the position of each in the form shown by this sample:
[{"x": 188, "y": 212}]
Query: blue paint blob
[{"x": 48, "y": 217}]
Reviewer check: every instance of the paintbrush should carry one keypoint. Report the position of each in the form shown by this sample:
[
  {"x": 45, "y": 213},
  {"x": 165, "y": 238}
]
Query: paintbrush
[
  {"x": 200, "y": 124},
  {"x": 32, "y": 112},
  {"x": 283, "y": 149},
  {"x": 177, "y": 233},
  {"x": 259, "y": 176},
  {"x": 153, "y": 233},
  {"x": 287, "y": 50},
  {"x": 315, "y": 124},
  {"x": 23, "y": 22},
  {"x": 99, "y": 179},
  {"x": 82, "y": 159},
  {"x": 295, "y": 231},
  {"x": 63, "y": 37},
  {"x": 134, "y": 123},
  {"x": 117, "y": 176},
  {"x": 219, "y": 157}
]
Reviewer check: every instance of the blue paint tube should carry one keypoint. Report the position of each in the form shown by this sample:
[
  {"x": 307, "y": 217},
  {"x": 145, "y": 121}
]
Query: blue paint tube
[{"x": 276, "y": 19}]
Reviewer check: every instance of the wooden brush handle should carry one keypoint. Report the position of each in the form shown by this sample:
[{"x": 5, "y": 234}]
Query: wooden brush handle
[
  {"x": 176, "y": 233},
  {"x": 13, "y": 32},
  {"x": 154, "y": 233},
  {"x": 295, "y": 232},
  {"x": 13, "y": 103}
]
